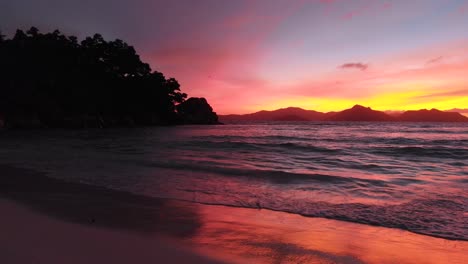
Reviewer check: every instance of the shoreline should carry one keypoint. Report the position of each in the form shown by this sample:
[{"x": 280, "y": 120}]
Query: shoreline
[
  {"x": 90, "y": 222},
  {"x": 325, "y": 218}
]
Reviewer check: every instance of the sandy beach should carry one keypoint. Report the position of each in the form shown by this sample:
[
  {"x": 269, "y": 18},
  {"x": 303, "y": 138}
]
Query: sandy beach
[
  {"x": 28, "y": 237},
  {"x": 51, "y": 221}
]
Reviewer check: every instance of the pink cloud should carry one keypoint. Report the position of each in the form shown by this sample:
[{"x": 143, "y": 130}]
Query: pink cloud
[
  {"x": 463, "y": 9},
  {"x": 435, "y": 60},
  {"x": 370, "y": 7},
  {"x": 354, "y": 65},
  {"x": 387, "y": 5}
]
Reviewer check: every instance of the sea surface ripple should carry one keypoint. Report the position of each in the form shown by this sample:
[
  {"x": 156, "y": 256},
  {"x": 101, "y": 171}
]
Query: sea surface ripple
[{"x": 400, "y": 175}]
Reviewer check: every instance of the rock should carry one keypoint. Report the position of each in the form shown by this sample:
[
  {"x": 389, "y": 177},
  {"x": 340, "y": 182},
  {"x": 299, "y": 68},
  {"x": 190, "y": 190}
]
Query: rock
[{"x": 197, "y": 111}]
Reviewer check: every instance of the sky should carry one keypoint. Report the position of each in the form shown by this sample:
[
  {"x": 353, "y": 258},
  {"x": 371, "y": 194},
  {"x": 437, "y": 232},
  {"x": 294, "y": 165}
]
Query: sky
[{"x": 251, "y": 55}]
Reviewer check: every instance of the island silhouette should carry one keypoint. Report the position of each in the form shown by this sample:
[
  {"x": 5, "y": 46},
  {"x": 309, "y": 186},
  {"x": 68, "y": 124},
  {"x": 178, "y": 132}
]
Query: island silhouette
[
  {"x": 355, "y": 114},
  {"x": 53, "y": 80}
]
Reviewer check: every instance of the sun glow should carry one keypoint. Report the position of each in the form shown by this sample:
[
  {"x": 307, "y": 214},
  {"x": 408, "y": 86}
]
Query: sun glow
[{"x": 410, "y": 100}]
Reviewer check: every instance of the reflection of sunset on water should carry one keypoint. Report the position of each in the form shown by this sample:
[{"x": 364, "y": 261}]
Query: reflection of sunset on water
[{"x": 241, "y": 235}]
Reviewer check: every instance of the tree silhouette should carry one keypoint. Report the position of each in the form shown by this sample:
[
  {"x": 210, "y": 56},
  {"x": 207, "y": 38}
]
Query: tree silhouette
[{"x": 54, "y": 80}]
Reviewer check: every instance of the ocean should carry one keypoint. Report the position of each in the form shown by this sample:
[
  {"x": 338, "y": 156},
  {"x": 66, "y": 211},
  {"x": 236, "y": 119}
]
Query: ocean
[{"x": 411, "y": 176}]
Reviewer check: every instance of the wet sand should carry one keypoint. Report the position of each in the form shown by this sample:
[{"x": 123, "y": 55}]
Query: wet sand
[
  {"x": 45, "y": 220},
  {"x": 29, "y": 237},
  {"x": 263, "y": 236}
]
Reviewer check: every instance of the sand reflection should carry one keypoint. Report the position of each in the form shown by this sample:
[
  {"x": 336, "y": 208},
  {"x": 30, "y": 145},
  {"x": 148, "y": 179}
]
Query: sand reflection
[{"x": 263, "y": 236}]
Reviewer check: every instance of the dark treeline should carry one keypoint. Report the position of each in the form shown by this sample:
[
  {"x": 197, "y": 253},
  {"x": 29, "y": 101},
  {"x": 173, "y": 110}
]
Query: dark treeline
[{"x": 53, "y": 80}]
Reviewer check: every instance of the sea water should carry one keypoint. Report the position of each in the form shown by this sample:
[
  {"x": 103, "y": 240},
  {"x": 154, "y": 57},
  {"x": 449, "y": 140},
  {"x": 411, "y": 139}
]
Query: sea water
[{"x": 412, "y": 176}]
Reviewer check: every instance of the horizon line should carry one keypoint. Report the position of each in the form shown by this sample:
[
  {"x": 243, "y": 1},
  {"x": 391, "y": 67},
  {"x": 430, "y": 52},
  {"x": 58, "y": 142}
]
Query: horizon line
[{"x": 388, "y": 110}]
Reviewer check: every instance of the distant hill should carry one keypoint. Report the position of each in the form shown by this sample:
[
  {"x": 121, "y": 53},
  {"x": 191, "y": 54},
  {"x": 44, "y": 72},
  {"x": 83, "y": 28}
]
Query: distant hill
[
  {"x": 284, "y": 114},
  {"x": 458, "y": 110},
  {"x": 432, "y": 115},
  {"x": 360, "y": 113},
  {"x": 356, "y": 113}
]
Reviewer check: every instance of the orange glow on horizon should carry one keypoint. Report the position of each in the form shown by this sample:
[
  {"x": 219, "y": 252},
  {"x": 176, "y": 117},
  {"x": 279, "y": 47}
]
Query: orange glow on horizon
[
  {"x": 402, "y": 101},
  {"x": 384, "y": 102}
]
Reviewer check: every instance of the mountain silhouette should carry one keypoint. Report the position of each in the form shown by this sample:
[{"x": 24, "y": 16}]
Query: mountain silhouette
[
  {"x": 355, "y": 114},
  {"x": 360, "y": 113},
  {"x": 459, "y": 110},
  {"x": 283, "y": 114},
  {"x": 432, "y": 115}
]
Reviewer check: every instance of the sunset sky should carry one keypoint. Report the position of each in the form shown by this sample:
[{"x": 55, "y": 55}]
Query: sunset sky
[{"x": 248, "y": 55}]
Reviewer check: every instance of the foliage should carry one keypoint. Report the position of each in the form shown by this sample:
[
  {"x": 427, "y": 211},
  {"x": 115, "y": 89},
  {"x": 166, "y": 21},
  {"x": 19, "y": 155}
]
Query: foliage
[{"x": 54, "y": 78}]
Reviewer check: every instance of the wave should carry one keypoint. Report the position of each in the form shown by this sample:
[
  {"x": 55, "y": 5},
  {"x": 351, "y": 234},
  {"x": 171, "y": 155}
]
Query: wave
[
  {"x": 425, "y": 216},
  {"x": 431, "y": 152},
  {"x": 252, "y": 145},
  {"x": 277, "y": 176},
  {"x": 442, "y": 218}
]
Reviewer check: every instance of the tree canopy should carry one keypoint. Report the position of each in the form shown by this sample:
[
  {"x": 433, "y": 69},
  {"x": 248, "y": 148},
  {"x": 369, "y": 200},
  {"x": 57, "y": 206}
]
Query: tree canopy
[{"x": 59, "y": 81}]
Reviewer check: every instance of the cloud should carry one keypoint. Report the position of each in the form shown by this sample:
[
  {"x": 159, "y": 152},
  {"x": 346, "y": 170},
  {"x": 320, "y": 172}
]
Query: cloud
[
  {"x": 327, "y": 1},
  {"x": 463, "y": 9},
  {"x": 462, "y": 92},
  {"x": 435, "y": 60},
  {"x": 368, "y": 8},
  {"x": 354, "y": 65}
]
